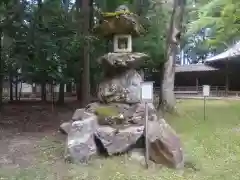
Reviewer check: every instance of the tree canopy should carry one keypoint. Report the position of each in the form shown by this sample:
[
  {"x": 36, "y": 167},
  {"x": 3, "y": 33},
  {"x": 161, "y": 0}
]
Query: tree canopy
[{"x": 221, "y": 17}]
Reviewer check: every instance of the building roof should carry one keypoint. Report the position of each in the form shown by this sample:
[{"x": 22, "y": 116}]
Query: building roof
[
  {"x": 194, "y": 68},
  {"x": 230, "y": 54}
]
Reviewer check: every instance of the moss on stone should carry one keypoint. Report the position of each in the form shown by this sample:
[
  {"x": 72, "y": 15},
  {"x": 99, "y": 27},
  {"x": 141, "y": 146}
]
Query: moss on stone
[
  {"x": 107, "y": 115},
  {"x": 113, "y": 14},
  {"x": 119, "y": 22},
  {"x": 107, "y": 111}
]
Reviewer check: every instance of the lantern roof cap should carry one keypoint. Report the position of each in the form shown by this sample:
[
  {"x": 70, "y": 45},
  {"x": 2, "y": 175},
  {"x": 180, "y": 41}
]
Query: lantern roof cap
[{"x": 122, "y": 21}]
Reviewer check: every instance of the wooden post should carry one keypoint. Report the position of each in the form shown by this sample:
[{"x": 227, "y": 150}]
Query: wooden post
[
  {"x": 52, "y": 96},
  {"x": 204, "y": 108},
  {"x": 146, "y": 97},
  {"x": 197, "y": 84},
  {"x": 226, "y": 82},
  {"x": 226, "y": 79},
  {"x": 146, "y": 138}
]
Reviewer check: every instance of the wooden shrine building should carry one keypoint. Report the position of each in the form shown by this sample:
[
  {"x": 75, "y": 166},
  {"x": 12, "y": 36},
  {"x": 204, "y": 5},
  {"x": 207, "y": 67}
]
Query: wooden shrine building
[{"x": 221, "y": 72}]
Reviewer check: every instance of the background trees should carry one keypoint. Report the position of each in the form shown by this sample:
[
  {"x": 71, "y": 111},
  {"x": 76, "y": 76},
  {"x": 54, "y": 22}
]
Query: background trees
[{"x": 51, "y": 42}]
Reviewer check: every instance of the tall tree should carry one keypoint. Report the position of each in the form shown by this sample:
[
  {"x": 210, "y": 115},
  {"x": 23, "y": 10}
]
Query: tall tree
[
  {"x": 9, "y": 12},
  {"x": 173, "y": 40},
  {"x": 62, "y": 83},
  {"x": 43, "y": 57},
  {"x": 86, "y": 6},
  {"x": 1, "y": 67}
]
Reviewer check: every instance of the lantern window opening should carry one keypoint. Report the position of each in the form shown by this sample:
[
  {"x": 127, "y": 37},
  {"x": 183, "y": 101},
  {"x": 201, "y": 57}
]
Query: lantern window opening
[{"x": 122, "y": 43}]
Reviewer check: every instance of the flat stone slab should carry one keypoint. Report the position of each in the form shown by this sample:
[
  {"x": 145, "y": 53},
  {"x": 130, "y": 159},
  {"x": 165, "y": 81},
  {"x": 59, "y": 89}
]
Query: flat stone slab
[{"x": 124, "y": 60}]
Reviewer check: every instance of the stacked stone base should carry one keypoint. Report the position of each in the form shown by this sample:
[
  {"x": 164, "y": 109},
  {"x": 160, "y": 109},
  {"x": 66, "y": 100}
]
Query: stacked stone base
[
  {"x": 88, "y": 137},
  {"x": 115, "y": 124}
]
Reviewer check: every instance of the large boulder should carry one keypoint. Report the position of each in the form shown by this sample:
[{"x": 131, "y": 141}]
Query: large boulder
[
  {"x": 79, "y": 114},
  {"x": 164, "y": 145},
  {"x": 80, "y": 142},
  {"x": 124, "y": 88},
  {"x": 118, "y": 140},
  {"x": 124, "y": 60}
]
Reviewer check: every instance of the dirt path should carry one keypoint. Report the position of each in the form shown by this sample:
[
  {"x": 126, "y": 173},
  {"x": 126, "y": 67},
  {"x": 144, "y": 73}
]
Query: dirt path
[
  {"x": 22, "y": 150},
  {"x": 24, "y": 129},
  {"x": 17, "y": 150}
]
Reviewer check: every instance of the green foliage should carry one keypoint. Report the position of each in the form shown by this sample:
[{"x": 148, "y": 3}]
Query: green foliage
[
  {"x": 154, "y": 42},
  {"x": 222, "y": 16}
]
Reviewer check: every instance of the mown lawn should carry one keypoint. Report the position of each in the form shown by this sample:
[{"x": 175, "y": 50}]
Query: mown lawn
[{"x": 212, "y": 145}]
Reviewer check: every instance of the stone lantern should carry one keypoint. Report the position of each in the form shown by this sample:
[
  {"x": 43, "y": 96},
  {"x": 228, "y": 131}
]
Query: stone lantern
[{"x": 116, "y": 120}]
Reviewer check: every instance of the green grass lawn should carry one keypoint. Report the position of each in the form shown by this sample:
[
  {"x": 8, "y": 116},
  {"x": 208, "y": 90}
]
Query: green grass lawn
[{"x": 213, "y": 145}]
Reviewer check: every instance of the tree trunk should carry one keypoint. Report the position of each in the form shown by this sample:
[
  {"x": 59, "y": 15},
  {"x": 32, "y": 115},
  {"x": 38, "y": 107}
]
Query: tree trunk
[
  {"x": 69, "y": 87},
  {"x": 34, "y": 88},
  {"x": 61, "y": 93},
  {"x": 66, "y": 5},
  {"x": 11, "y": 85},
  {"x": 20, "y": 91},
  {"x": 52, "y": 96},
  {"x": 11, "y": 90},
  {"x": 52, "y": 93},
  {"x": 78, "y": 91},
  {"x": 86, "y": 64},
  {"x": 43, "y": 91},
  {"x": 168, "y": 100},
  {"x": 1, "y": 87},
  {"x": 40, "y": 23},
  {"x": 1, "y": 71},
  {"x": 16, "y": 88},
  {"x": 39, "y": 2}
]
